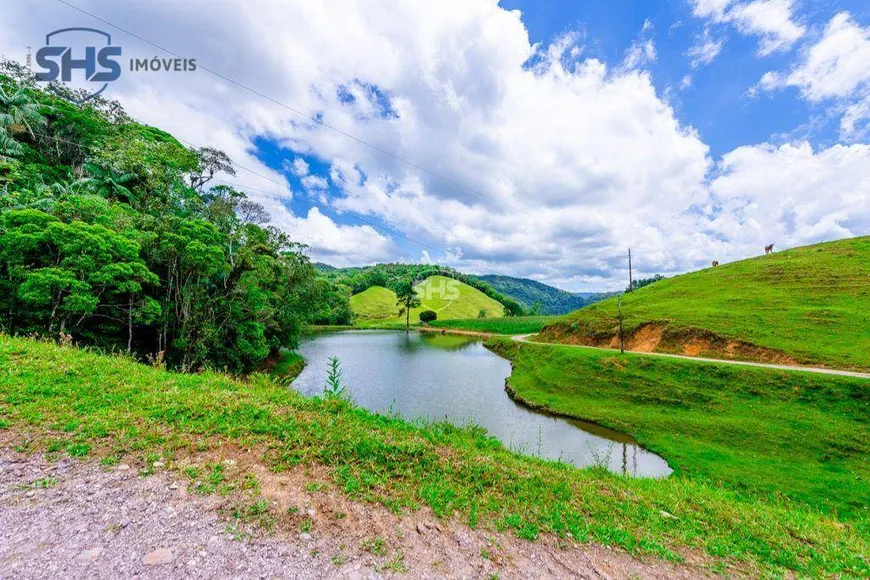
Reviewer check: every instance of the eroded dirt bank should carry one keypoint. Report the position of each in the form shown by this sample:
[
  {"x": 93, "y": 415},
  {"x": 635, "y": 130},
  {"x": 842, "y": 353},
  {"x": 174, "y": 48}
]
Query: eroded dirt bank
[{"x": 78, "y": 519}]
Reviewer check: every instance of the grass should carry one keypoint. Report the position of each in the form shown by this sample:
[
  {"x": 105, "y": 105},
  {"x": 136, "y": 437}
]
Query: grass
[
  {"x": 64, "y": 397},
  {"x": 746, "y": 428},
  {"x": 450, "y": 299},
  {"x": 510, "y": 325},
  {"x": 810, "y": 303},
  {"x": 375, "y": 303},
  {"x": 288, "y": 366}
]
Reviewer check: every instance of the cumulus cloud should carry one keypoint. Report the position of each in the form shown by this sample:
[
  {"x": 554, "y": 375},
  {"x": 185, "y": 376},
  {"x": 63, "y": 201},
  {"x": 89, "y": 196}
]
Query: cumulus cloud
[
  {"x": 539, "y": 161},
  {"x": 835, "y": 69},
  {"x": 340, "y": 245},
  {"x": 771, "y": 20},
  {"x": 792, "y": 194}
]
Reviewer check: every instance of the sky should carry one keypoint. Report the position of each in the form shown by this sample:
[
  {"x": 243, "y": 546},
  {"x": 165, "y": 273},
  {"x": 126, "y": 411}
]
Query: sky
[{"x": 533, "y": 138}]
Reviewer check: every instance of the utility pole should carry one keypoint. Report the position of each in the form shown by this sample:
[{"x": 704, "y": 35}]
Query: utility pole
[{"x": 630, "y": 282}]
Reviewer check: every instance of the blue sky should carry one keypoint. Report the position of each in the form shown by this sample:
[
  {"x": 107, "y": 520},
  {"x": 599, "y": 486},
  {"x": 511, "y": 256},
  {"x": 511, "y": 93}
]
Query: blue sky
[
  {"x": 531, "y": 138},
  {"x": 716, "y": 104}
]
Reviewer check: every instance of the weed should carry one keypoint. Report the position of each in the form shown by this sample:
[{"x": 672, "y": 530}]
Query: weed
[
  {"x": 335, "y": 387},
  {"x": 376, "y": 546},
  {"x": 396, "y": 564},
  {"x": 45, "y": 482}
]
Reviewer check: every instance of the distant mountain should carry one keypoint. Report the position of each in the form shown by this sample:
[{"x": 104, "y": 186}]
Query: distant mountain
[{"x": 529, "y": 292}]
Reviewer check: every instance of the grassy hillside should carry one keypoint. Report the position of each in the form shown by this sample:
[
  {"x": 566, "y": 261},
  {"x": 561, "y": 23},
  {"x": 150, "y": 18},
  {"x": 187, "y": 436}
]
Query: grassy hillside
[
  {"x": 745, "y": 427},
  {"x": 807, "y": 305},
  {"x": 552, "y": 301},
  {"x": 376, "y": 303},
  {"x": 391, "y": 275},
  {"x": 450, "y": 298},
  {"x": 60, "y": 399}
]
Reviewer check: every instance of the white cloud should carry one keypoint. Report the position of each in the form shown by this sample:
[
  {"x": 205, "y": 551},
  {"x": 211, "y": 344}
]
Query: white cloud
[
  {"x": 836, "y": 69},
  {"x": 642, "y": 51},
  {"x": 298, "y": 167},
  {"x": 771, "y": 20},
  {"x": 340, "y": 245},
  {"x": 314, "y": 183},
  {"x": 705, "y": 50},
  {"x": 686, "y": 82},
  {"x": 838, "y": 65},
  {"x": 793, "y": 195},
  {"x": 710, "y": 8},
  {"x": 640, "y": 54}
]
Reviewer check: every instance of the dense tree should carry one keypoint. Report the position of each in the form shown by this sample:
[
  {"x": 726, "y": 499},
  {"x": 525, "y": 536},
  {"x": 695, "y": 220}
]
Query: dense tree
[
  {"x": 641, "y": 282},
  {"x": 105, "y": 182},
  {"x": 113, "y": 233}
]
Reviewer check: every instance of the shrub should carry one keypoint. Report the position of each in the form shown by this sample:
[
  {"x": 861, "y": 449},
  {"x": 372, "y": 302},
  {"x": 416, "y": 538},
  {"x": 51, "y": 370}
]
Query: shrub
[{"x": 428, "y": 316}]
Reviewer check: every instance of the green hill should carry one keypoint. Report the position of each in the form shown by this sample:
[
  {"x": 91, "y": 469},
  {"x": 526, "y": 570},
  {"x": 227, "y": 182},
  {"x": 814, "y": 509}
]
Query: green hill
[
  {"x": 809, "y": 305},
  {"x": 360, "y": 279},
  {"x": 551, "y": 300},
  {"x": 450, "y": 298},
  {"x": 376, "y": 303}
]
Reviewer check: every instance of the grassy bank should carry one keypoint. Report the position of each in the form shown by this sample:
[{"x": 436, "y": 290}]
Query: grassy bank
[
  {"x": 809, "y": 304},
  {"x": 288, "y": 366},
  {"x": 768, "y": 433},
  {"x": 508, "y": 325},
  {"x": 62, "y": 399}
]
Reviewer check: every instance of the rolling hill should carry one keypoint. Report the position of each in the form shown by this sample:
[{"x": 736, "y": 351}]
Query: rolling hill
[
  {"x": 449, "y": 298},
  {"x": 359, "y": 279},
  {"x": 530, "y": 292},
  {"x": 809, "y": 305}
]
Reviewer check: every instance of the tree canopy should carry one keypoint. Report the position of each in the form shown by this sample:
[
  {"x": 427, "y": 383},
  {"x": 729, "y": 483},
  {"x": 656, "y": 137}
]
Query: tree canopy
[{"x": 115, "y": 234}]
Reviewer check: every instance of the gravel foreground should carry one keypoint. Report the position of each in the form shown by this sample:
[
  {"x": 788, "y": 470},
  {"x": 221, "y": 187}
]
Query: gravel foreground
[{"x": 77, "y": 519}]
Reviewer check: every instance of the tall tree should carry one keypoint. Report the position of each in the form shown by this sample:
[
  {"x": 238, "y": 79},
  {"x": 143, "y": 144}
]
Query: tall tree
[
  {"x": 407, "y": 300},
  {"x": 20, "y": 113}
]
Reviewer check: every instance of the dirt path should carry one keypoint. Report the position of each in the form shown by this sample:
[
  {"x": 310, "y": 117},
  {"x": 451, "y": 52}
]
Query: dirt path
[
  {"x": 77, "y": 519},
  {"x": 525, "y": 338},
  {"x": 457, "y": 332}
]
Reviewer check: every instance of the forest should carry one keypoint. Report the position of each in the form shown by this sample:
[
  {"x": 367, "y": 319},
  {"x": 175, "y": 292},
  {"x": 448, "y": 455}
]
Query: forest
[{"x": 115, "y": 235}]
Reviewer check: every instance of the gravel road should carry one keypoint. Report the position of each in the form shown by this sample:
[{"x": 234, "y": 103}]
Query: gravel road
[{"x": 77, "y": 519}]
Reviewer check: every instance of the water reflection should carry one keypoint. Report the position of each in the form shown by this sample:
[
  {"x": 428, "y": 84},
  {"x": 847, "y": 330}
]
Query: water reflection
[{"x": 454, "y": 378}]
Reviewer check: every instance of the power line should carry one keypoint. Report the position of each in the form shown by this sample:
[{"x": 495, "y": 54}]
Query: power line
[{"x": 315, "y": 120}]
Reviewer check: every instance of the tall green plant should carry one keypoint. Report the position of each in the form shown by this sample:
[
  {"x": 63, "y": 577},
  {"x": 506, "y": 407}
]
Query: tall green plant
[{"x": 335, "y": 387}]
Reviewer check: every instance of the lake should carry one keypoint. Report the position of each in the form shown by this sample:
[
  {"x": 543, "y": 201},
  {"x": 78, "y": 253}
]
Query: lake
[{"x": 446, "y": 377}]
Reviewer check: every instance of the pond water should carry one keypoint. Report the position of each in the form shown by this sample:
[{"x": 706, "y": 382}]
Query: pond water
[{"x": 454, "y": 378}]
